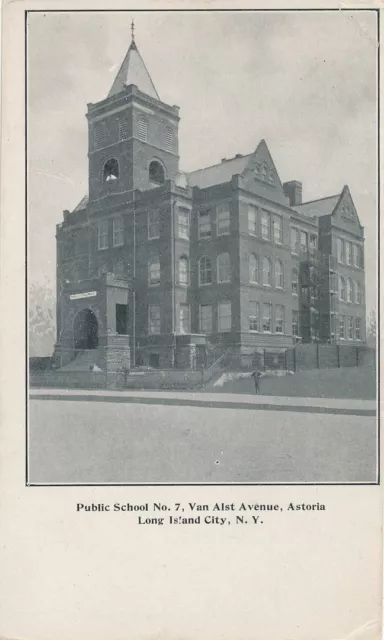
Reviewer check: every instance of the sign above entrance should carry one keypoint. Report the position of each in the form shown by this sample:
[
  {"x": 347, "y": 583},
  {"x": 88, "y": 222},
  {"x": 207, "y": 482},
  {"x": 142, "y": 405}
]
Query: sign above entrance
[{"x": 87, "y": 294}]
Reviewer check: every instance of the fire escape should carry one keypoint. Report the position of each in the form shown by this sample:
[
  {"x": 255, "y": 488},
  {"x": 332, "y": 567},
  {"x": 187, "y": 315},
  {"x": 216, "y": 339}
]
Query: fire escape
[{"x": 318, "y": 297}]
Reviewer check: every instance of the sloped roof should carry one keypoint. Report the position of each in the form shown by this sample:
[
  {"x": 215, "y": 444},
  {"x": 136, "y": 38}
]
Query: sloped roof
[
  {"x": 82, "y": 204},
  {"x": 218, "y": 173},
  {"x": 133, "y": 71},
  {"x": 318, "y": 208}
]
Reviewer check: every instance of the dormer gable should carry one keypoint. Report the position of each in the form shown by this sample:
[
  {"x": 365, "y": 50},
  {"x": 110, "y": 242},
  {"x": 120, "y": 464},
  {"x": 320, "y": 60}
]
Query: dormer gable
[
  {"x": 344, "y": 215},
  {"x": 262, "y": 167},
  {"x": 260, "y": 175}
]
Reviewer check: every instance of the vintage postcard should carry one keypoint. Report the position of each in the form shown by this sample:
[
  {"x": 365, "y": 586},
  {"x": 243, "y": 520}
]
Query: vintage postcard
[{"x": 190, "y": 244}]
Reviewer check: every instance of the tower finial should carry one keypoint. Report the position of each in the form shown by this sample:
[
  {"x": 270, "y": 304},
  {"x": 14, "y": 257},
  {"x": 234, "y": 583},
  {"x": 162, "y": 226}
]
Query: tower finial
[{"x": 133, "y": 31}]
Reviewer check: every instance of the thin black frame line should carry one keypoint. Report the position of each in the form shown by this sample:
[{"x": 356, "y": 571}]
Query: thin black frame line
[
  {"x": 207, "y": 484},
  {"x": 378, "y": 254},
  {"x": 223, "y": 10},
  {"x": 26, "y": 247},
  {"x": 203, "y": 11}
]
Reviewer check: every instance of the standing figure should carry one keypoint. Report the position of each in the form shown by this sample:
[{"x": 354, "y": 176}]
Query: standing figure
[{"x": 256, "y": 375}]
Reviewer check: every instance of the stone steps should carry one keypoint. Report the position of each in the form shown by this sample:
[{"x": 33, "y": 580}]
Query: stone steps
[{"x": 83, "y": 361}]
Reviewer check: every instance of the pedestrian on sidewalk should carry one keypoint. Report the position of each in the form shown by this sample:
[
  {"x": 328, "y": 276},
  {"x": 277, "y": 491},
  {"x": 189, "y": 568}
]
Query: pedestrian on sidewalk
[{"x": 256, "y": 375}]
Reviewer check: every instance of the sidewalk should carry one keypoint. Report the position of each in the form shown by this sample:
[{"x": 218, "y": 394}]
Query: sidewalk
[{"x": 215, "y": 400}]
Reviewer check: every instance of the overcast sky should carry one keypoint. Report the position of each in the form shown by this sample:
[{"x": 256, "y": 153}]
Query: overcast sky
[{"x": 306, "y": 82}]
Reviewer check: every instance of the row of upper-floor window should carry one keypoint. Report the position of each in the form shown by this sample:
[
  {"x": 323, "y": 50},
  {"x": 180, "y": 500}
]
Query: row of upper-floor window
[
  {"x": 104, "y": 134},
  {"x": 349, "y": 290},
  {"x": 269, "y": 230},
  {"x": 349, "y": 253},
  {"x": 272, "y": 273}
]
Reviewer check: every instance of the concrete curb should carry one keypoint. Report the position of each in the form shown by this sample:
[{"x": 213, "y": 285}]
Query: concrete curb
[{"x": 192, "y": 402}]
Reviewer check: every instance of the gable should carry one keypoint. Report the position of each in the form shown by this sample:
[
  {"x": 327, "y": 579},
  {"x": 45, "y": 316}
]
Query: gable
[
  {"x": 260, "y": 175},
  {"x": 344, "y": 214}
]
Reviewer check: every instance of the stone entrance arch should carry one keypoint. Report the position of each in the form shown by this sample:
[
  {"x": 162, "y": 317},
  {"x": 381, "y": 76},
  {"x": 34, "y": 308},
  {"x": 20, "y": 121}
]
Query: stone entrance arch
[{"x": 85, "y": 330}]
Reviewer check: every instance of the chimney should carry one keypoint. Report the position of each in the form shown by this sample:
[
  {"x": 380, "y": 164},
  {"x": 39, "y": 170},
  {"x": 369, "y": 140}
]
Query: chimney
[
  {"x": 66, "y": 215},
  {"x": 294, "y": 192}
]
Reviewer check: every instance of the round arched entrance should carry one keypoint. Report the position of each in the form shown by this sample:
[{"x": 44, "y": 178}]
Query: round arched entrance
[{"x": 86, "y": 330}]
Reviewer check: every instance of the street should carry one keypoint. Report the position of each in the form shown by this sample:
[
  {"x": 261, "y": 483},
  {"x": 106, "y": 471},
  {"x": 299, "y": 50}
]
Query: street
[{"x": 105, "y": 442}]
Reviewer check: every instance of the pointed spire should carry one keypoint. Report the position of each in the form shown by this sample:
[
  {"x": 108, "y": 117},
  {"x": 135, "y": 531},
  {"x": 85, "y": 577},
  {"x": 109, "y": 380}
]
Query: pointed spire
[
  {"x": 133, "y": 33},
  {"x": 133, "y": 71}
]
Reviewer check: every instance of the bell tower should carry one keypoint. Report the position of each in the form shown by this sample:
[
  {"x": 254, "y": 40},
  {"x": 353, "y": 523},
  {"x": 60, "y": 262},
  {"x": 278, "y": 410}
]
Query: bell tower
[{"x": 132, "y": 136}]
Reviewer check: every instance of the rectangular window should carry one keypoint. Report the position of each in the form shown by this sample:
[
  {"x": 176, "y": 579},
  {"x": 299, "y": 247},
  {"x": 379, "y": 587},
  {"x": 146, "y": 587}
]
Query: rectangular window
[
  {"x": 295, "y": 323},
  {"x": 294, "y": 240},
  {"x": 183, "y": 271},
  {"x": 350, "y": 328},
  {"x": 205, "y": 227},
  {"x": 154, "y": 318},
  {"x": 358, "y": 295},
  {"x": 184, "y": 318},
  {"x": 279, "y": 318},
  {"x": 348, "y": 248},
  {"x": 98, "y": 136},
  {"x": 313, "y": 241},
  {"x": 154, "y": 272},
  {"x": 252, "y": 220},
  {"x": 123, "y": 130},
  {"x": 102, "y": 235},
  {"x": 223, "y": 219},
  {"x": 295, "y": 282},
  {"x": 206, "y": 318},
  {"x": 265, "y": 225},
  {"x": 340, "y": 250},
  {"x": 358, "y": 256},
  {"x": 153, "y": 225},
  {"x": 143, "y": 129},
  {"x": 358, "y": 328},
  {"x": 342, "y": 327},
  {"x": 254, "y": 316},
  {"x": 304, "y": 239},
  {"x": 121, "y": 319},
  {"x": 267, "y": 317},
  {"x": 333, "y": 285},
  {"x": 277, "y": 231},
  {"x": 183, "y": 223},
  {"x": 224, "y": 316},
  {"x": 118, "y": 231}
]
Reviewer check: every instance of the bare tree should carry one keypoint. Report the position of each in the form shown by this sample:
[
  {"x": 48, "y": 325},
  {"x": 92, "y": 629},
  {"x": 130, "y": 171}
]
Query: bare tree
[
  {"x": 41, "y": 319},
  {"x": 371, "y": 328}
]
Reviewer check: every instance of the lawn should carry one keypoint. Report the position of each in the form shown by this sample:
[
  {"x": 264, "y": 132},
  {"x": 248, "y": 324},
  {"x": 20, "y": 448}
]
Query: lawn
[{"x": 348, "y": 382}]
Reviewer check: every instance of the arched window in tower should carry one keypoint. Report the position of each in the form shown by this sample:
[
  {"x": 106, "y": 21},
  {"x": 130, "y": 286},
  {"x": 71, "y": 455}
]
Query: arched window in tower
[
  {"x": 111, "y": 170},
  {"x": 168, "y": 138},
  {"x": 143, "y": 129},
  {"x": 156, "y": 172}
]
